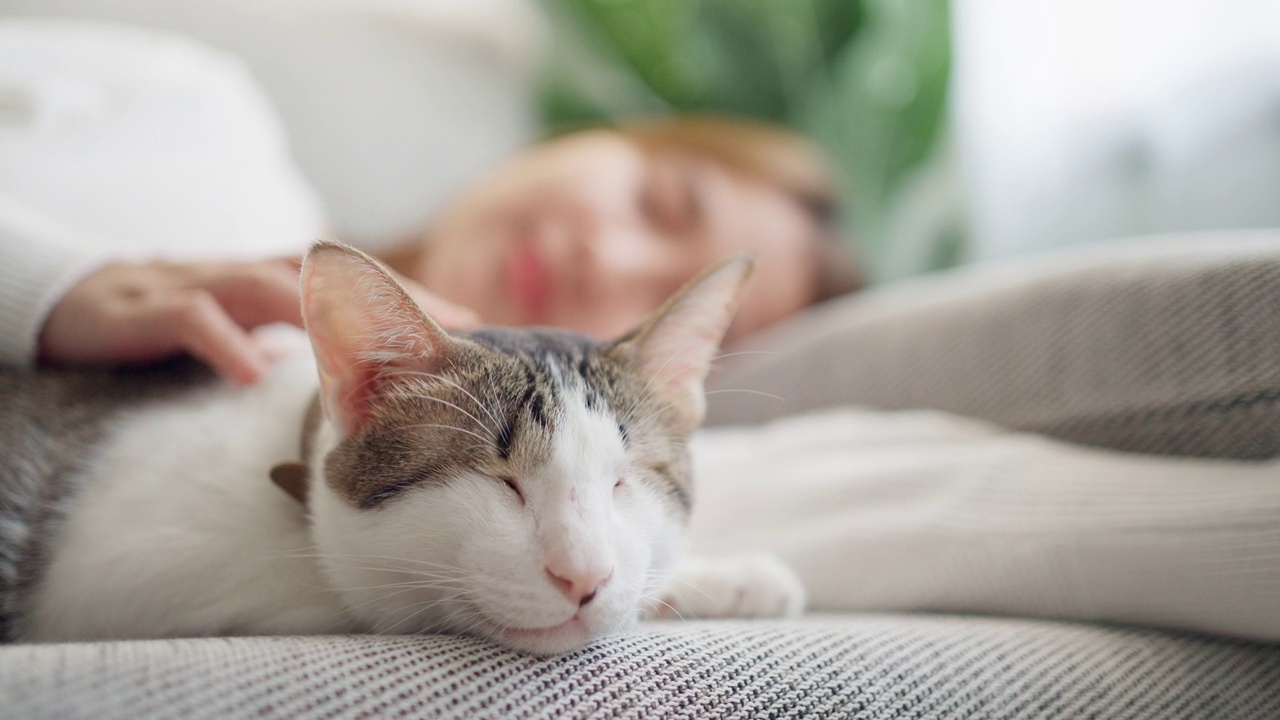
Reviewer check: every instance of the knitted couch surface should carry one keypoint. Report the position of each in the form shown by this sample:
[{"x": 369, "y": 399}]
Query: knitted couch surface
[{"x": 867, "y": 667}]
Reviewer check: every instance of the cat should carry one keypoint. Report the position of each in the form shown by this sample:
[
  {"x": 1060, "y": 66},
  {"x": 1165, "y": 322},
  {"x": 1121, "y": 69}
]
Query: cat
[{"x": 526, "y": 486}]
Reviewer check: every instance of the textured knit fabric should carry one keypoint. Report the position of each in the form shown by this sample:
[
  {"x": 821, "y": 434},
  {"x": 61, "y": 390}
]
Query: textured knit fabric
[
  {"x": 916, "y": 510},
  {"x": 870, "y": 668},
  {"x": 39, "y": 262},
  {"x": 1167, "y": 347}
]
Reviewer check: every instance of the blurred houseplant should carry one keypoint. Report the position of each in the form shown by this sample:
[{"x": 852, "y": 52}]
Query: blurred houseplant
[{"x": 866, "y": 79}]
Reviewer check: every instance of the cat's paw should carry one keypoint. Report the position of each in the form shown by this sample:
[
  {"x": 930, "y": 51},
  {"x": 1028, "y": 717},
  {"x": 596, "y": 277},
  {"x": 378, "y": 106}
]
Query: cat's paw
[{"x": 741, "y": 586}]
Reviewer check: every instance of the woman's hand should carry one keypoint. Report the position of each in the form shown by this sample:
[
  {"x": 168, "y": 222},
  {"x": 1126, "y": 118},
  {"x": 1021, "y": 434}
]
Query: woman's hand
[
  {"x": 130, "y": 313},
  {"x": 127, "y": 313}
]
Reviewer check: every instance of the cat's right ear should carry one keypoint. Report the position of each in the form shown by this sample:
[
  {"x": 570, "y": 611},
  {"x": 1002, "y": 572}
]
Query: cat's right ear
[
  {"x": 676, "y": 345},
  {"x": 364, "y": 329}
]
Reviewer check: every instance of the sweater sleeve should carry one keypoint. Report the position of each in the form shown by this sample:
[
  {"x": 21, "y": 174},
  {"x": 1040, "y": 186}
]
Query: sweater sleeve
[
  {"x": 39, "y": 261},
  {"x": 920, "y": 511}
]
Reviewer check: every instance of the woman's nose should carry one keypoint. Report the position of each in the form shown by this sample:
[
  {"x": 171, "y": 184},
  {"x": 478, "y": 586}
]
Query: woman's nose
[
  {"x": 622, "y": 256},
  {"x": 624, "y": 274}
]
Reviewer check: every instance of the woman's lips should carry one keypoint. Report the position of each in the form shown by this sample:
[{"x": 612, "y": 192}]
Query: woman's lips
[{"x": 529, "y": 281}]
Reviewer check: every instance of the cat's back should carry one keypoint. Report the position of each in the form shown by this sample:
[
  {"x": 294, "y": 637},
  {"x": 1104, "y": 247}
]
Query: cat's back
[
  {"x": 50, "y": 419},
  {"x": 50, "y": 423}
]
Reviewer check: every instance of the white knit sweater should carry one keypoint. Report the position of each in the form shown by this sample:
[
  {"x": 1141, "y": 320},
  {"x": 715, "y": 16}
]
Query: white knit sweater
[
  {"x": 130, "y": 144},
  {"x": 891, "y": 511}
]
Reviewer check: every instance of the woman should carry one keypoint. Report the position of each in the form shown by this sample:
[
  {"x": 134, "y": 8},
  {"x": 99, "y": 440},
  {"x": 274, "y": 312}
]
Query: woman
[
  {"x": 588, "y": 231},
  {"x": 123, "y": 146}
]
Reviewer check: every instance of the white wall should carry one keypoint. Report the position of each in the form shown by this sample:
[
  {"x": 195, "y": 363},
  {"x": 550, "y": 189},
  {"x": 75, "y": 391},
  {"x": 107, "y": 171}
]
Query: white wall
[{"x": 1079, "y": 120}]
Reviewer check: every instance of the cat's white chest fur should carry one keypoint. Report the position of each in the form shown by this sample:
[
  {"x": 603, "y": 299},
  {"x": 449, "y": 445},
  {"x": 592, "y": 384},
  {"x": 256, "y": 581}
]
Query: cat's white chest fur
[{"x": 181, "y": 532}]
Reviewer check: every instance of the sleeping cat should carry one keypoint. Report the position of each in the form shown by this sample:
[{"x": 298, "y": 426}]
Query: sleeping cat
[{"x": 525, "y": 486}]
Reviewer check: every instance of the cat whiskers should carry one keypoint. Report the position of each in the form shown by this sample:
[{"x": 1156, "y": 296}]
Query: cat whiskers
[
  {"x": 455, "y": 406},
  {"x": 388, "y": 563},
  {"x": 496, "y": 422},
  {"x": 631, "y": 420},
  {"x": 381, "y": 626},
  {"x": 469, "y": 619},
  {"x": 476, "y": 621},
  {"x": 423, "y": 575},
  {"x": 317, "y": 551},
  {"x": 448, "y": 586},
  {"x": 441, "y": 378},
  {"x": 653, "y": 601},
  {"x": 660, "y": 581},
  {"x": 646, "y": 392},
  {"x": 464, "y": 619},
  {"x": 666, "y": 406},
  {"x": 648, "y": 386},
  {"x": 722, "y": 356},
  {"x": 383, "y": 598},
  {"x": 744, "y": 390},
  {"x": 376, "y": 563},
  {"x": 485, "y": 441},
  {"x": 396, "y": 591},
  {"x": 693, "y": 587}
]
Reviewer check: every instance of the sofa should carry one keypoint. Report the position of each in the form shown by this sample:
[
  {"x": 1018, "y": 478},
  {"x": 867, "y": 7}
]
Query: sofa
[
  {"x": 873, "y": 666},
  {"x": 1152, "y": 346}
]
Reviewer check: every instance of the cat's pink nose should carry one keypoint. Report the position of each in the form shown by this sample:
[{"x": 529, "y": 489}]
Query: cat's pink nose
[{"x": 579, "y": 585}]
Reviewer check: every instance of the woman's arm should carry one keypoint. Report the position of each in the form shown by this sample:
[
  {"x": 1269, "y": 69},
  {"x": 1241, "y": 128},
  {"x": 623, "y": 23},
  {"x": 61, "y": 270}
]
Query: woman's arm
[
  {"x": 39, "y": 261},
  {"x": 137, "y": 313}
]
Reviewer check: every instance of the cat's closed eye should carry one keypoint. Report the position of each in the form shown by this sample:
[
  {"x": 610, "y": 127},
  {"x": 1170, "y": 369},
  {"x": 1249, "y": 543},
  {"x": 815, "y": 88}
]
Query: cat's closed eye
[{"x": 511, "y": 483}]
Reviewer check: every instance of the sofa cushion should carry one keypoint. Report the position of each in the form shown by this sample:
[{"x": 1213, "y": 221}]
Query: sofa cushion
[
  {"x": 1167, "y": 346},
  {"x": 867, "y": 667}
]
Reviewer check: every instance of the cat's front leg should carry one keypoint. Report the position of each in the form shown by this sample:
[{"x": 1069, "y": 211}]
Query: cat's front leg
[{"x": 739, "y": 586}]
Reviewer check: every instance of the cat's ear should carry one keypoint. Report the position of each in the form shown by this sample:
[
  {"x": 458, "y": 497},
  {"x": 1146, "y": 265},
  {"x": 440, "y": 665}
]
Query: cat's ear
[
  {"x": 364, "y": 327},
  {"x": 676, "y": 345}
]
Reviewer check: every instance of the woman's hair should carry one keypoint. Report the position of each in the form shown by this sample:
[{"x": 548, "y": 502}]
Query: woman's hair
[{"x": 774, "y": 155}]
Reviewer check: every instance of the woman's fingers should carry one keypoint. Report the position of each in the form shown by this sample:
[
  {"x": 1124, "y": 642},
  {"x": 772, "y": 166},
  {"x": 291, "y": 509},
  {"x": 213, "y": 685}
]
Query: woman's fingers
[
  {"x": 291, "y": 262},
  {"x": 256, "y": 294},
  {"x": 142, "y": 313},
  {"x": 197, "y": 322}
]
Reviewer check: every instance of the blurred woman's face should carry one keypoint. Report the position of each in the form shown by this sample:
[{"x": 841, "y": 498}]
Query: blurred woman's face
[{"x": 591, "y": 233}]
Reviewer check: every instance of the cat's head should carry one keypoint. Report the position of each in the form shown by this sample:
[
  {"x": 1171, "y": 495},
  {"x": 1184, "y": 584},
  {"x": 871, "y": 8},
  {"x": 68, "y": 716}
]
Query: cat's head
[{"x": 525, "y": 486}]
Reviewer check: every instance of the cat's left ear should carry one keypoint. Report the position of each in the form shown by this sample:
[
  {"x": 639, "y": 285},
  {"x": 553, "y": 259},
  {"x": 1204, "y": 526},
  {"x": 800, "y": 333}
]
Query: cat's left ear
[
  {"x": 364, "y": 328},
  {"x": 676, "y": 345}
]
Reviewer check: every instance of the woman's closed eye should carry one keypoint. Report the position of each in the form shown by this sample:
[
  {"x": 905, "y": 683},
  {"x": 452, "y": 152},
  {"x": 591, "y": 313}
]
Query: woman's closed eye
[{"x": 672, "y": 196}]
